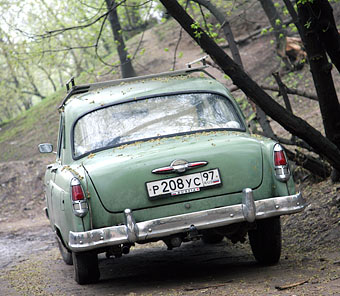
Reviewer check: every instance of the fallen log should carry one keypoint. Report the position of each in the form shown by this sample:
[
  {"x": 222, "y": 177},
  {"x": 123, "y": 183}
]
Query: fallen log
[{"x": 310, "y": 163}]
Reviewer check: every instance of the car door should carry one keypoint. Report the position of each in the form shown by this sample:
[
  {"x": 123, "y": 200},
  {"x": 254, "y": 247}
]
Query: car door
[{"x": 53, "y": 190}]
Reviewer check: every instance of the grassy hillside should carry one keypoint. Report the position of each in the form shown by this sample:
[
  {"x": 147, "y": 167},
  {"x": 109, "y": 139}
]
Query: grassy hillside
[{"x": 20, "y": 137}]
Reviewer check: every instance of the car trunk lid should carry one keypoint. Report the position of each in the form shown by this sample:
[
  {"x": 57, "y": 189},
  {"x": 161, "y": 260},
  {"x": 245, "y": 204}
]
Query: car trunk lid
[{"x": 123, "y": 176}]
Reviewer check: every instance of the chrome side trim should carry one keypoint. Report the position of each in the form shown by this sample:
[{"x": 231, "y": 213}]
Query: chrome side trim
[{"x": 158, "y": 228}]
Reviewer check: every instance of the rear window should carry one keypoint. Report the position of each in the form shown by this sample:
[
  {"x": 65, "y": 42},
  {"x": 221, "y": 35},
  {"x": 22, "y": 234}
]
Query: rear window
[{"x": 152, "y": 118}]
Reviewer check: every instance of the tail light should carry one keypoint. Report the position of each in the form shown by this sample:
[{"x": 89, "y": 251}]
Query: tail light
[
  {"x": 77, "y": 193},
  {"x": 281, "y": 166},
  {"x": 79, "y": 201}
]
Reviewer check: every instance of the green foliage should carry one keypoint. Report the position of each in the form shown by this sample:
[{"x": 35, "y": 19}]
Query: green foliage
[
  {"x": 303, "y": 2},
  {"x": 308, "y": 24},
  {"x": 293, "y": 28},
  {"x": 197, "y": 32},
  {"x": 285, "y": 11},
  {"x": 246, "y": 108},
  {"x": 142, "y": 51}
]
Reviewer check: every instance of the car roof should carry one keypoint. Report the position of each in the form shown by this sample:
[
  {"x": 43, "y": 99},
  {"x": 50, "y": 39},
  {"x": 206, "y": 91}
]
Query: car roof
[{"x": 94, "y": 96}]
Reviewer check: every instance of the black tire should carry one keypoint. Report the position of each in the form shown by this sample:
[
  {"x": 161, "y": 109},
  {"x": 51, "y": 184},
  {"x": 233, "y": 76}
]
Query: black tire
[
  {"x": 265, "y": 241},
  {"x": 212, "y": 238},
  {"x": 86, "y": 270},
  {"x": 65, "y": 253}
]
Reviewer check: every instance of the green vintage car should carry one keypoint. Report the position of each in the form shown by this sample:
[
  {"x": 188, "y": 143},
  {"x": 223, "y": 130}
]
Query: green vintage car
[{"x": 162, "y": 157}]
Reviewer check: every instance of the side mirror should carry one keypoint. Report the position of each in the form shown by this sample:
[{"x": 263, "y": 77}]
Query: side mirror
[{"x": 45, "y": 148}]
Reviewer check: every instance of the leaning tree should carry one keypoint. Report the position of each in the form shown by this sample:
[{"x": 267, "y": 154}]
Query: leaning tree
[{"x": 297, "y": 126}]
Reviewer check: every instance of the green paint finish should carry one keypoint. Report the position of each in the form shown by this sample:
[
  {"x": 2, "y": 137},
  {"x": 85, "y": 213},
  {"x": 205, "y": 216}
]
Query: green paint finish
[
  {"x": 114, "y": 179},
  {"x": 120, "y": 179}
]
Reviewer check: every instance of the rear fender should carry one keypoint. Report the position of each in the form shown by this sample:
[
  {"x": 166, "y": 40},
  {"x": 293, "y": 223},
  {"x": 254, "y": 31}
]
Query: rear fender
[{"x": 278, "y": 188}]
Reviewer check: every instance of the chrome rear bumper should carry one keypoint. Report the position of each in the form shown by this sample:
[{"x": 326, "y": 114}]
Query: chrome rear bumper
[{"x": 132, "y": 232}]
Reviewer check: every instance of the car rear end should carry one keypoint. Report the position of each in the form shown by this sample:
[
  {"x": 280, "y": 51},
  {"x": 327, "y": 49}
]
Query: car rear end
[
  {"x": 171, "y": 159},
  {"x": 173, "y": 164}
]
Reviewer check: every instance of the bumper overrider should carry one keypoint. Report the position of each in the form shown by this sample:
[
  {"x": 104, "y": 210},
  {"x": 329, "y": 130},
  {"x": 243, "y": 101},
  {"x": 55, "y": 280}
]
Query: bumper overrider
[{"x": 131, "y": 232}]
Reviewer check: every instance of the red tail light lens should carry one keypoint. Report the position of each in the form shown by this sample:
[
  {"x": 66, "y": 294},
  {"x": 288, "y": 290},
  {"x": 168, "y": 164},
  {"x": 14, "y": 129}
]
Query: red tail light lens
[
  {"x": 79, "y": 201},
  {"x": 281, "y": 166},
  {"x": 77, "y": 193},
  {"x": 279, "y": 158}
]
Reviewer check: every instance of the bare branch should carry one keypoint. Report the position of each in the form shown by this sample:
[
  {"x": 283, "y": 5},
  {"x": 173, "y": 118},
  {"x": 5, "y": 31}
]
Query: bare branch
[
  {"x": 179, "y": 41},
  {"x": 142, "y": 37},
  {"x": 62, "y": 30},
  {"x": 65, "y": 49},
  {"x": 298, "y": 142},
  {"x": 33, "y": 93},
  {"x": 292, "y": 91},
  {"x": 92, "y": 7}
]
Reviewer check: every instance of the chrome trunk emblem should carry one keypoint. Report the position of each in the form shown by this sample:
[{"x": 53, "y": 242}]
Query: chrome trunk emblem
[{"x": 179, "y": 166}]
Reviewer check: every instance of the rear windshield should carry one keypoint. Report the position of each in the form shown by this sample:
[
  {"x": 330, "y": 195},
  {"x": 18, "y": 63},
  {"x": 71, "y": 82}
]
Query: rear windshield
[{"x": 152, "y": 118}]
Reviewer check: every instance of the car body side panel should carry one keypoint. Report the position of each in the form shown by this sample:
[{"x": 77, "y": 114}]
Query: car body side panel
[{"x": 60, "y": 212}]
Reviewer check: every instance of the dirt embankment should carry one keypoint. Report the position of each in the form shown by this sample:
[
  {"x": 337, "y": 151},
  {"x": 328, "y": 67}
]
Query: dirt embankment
[{"x": 21, "y": 189}]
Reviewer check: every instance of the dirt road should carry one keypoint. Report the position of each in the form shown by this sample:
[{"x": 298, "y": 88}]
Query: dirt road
[{"x": 31, "y": 265}]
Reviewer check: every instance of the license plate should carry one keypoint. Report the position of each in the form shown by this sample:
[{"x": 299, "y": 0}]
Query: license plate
[{"x": 183, "y": 184}]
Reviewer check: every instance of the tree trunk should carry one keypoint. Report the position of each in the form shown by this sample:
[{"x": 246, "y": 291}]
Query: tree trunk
[
  {"x": 126, "y": 67},
  {"x": 290, "y": 122},
  {"x": 327, "y": 30},
  {"x": 279, "y": 32},
  {"x": 316, "y": 30},
  {"x": 322, "y": 76}
]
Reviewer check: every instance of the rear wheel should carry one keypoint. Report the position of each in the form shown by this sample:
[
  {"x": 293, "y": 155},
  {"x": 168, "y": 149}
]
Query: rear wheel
[
  {"x": 65, "y": 253},
  {"x": 265, "y": 241},
  {"x": 86, "y": 270}
]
